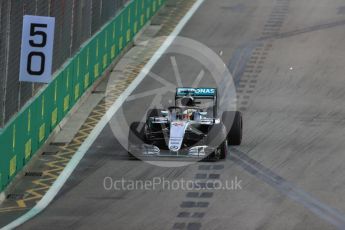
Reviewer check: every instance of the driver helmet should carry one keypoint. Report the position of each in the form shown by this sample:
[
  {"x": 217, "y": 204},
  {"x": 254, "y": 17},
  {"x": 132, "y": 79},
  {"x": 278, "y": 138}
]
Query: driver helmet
[{"x": 188, "y": 113}]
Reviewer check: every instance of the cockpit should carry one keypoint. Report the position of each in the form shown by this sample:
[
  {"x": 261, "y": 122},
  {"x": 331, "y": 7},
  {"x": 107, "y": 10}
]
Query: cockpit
[{"x": 187, "y": 108}]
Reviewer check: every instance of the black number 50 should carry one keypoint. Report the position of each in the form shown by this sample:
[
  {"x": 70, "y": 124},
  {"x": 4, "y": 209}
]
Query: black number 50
[{"x": 41, "y": 44}]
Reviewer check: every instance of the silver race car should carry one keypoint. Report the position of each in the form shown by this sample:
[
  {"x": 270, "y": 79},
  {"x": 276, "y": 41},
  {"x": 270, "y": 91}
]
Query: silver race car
[{"x": 191, "y": 128}]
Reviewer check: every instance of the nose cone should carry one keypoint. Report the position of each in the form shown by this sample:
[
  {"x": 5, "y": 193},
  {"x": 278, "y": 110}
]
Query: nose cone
[{"x": 177, "y": 131}]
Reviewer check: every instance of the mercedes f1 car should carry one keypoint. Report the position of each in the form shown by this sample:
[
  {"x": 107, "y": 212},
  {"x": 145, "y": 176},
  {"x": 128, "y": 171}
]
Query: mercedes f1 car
[{"x": 191, "y": 128}]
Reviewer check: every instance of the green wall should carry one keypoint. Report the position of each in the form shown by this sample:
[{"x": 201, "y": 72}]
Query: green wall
[{"x": 28, "y": 131}]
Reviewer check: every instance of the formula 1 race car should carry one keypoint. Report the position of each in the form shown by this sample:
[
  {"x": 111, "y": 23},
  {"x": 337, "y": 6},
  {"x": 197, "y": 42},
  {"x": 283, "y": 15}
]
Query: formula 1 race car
[{"x": 191, "y": 128}]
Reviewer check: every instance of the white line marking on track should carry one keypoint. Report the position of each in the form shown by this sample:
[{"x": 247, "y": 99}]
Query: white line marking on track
[{"x": 176, "y": 71}]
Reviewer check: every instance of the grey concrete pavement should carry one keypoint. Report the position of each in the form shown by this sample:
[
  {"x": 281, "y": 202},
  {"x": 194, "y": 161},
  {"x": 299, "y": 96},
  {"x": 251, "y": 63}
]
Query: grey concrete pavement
[{"x": 291, "y": 163}]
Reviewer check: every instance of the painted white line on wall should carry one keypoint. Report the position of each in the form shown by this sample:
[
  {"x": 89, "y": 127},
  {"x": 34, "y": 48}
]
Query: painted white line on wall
[{"x": 65, "y": 174}]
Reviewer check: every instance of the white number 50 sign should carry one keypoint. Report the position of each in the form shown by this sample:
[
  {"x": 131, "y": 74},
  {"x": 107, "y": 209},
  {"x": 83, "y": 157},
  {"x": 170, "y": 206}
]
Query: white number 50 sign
[{"x": 37, "y": 49}]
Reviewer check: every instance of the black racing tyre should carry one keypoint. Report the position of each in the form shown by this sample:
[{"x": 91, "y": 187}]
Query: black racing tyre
[
  {"x": 236, "y": 131},
  {"x": 223, "y": 148},
  {"x": 136, "y": 136},
  {"x": 234, "y": 118},
  {"x": 217, "y": 138}
]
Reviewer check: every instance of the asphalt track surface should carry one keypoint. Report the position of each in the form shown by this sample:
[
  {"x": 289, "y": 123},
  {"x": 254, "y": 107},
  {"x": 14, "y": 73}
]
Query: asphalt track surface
[{"x": 287, "y": 58}]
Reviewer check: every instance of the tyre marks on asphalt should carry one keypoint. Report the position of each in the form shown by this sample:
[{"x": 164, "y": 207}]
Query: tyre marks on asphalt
[
  {"x": 248, "y": 60},
  {"x": 194, "y": 206},
  {"x": 308, "y": 29},
  {"x": 246, "y": 65},
  {"x": 320, "y": 209}
]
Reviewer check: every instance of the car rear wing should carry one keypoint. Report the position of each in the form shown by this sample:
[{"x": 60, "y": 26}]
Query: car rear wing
[
  {"x": 209, "y": 93},
  {"x": 199, "y": 93}
]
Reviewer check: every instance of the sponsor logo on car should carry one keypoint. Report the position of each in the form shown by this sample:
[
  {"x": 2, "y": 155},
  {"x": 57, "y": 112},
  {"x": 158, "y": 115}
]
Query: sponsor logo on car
[
  {"x": 196, "y": 91},
  {"x": 174, "y": 147}
]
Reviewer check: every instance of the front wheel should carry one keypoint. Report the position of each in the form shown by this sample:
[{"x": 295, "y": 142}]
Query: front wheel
[
  {"x": 223, "y": 148},
  {"x": 220, "y": 153},
  {"x": 136, "y": 137},
  {"x": 217, "y": 138}
]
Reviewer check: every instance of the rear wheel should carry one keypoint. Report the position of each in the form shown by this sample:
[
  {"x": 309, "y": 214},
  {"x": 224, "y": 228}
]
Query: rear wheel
[{"x": 235, "y": 120}]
